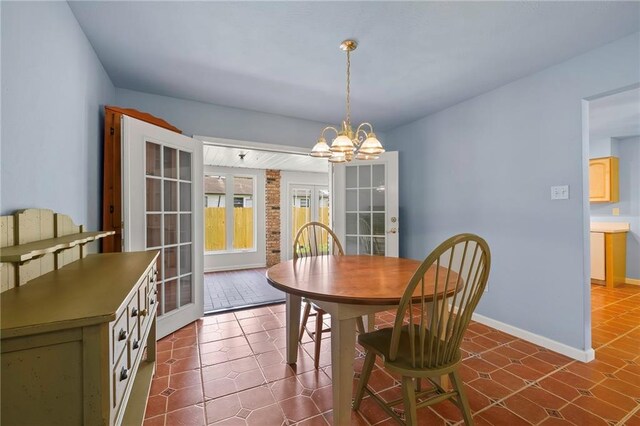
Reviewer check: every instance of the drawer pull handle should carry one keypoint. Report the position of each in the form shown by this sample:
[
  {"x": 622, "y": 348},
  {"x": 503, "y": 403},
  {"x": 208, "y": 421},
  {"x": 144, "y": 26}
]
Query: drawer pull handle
[
  {"x": 136, "y": 344},
  {"x": 122, "y": 335},
  {"x": 124, "y": 374},
  {"x": 143, "y": 313},
  {"x": 134, "y": 312}
]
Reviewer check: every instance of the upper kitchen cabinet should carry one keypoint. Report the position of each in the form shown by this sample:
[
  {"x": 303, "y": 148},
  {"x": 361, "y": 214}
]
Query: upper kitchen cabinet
[{"x": 603, "y": 180}]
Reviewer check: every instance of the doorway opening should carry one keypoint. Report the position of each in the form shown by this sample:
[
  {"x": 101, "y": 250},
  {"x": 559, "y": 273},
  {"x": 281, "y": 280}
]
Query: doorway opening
[
  {"x": 613, "y": 211},
  {"x": 255, "y": 197}
]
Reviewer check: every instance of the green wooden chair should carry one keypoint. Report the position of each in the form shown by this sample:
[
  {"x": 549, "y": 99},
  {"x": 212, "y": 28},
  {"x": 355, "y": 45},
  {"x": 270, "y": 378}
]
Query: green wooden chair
[
  {"x": 424, "y": 342},
  {"x": 316, "y": 239}
]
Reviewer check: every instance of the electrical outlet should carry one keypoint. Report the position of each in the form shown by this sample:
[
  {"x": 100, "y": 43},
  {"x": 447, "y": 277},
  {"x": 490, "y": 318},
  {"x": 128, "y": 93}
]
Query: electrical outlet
[
  {"x": 615, "y": 211},
  {"x": 560, "y": 192}
]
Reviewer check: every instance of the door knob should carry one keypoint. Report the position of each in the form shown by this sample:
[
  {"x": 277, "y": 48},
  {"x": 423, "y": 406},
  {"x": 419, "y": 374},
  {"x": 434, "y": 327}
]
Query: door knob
[{"x": 392, "y": 231}]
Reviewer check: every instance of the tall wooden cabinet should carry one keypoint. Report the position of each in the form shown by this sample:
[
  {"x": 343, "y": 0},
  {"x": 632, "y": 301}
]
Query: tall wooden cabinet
[
  {"x": 603, "y": 180},
  {"x": 112, "y": 170}
]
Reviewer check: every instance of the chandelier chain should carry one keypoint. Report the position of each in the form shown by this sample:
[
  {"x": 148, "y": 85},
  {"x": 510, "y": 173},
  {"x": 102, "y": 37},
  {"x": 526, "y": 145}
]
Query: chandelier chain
[{"x": 348, "y": 87}]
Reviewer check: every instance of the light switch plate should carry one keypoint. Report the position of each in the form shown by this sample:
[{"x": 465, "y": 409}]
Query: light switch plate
[{"x": 560, "y": 192}]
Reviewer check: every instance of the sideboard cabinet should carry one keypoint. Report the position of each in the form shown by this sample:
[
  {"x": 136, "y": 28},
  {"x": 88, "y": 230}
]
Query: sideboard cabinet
[{"x": 78, "y": 338}]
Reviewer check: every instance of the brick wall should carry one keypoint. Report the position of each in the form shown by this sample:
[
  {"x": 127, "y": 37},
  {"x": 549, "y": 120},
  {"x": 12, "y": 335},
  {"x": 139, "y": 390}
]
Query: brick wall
[{"x": 272, "y": 210}]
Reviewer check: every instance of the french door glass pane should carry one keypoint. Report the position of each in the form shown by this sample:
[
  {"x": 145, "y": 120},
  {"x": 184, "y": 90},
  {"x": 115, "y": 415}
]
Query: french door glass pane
[
  {"x": 154, "y": 159},
  {"x": 185, "y": 259},
  {"x": 170, "y": 229},
  {"x": 186, "y": 292},
  {"x": 185, "y": 227},
  {"x": 170, "y": 163},
  {"x": 154, "y": 230},
  {"x": 185, "y": 165},
  {"x": 154, "y": 197},
  {"x": 365, "y": 209},
  {"x": 185, "y": 197},
  {"x": 170, "y": 262},
  {"x": 170, "y": 196},
  {"x": 170, "y": 295}
]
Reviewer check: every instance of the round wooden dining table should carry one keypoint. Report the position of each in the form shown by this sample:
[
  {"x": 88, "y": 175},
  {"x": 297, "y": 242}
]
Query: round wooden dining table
[{"x": 346, "y": 287}]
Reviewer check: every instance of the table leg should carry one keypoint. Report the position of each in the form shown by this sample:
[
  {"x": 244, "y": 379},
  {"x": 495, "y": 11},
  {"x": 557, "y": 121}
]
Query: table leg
[
  {"x": 343, "y": 348},
  {"x": 371, "y": 322},
  {"x": 293, "y": 327}
]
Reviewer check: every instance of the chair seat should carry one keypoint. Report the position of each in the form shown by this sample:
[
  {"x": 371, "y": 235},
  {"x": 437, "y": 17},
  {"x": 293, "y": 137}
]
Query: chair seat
[{"x": 379, "y": 341}]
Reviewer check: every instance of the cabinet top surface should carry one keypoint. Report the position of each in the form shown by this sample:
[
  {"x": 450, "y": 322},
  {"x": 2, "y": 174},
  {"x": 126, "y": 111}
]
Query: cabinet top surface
[
  {"x": 85, "y": 292},
  {"x": 610, "y": 227}
]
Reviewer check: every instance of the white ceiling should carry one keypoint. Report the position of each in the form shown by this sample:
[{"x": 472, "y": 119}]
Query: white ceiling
[
  {"x": 257, "y": 159},
  {"x": 414, "y": 58}
]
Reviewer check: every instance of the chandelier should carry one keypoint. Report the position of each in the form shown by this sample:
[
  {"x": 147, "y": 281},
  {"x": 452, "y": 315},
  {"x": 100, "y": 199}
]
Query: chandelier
[{"x": 347, "y": 145}]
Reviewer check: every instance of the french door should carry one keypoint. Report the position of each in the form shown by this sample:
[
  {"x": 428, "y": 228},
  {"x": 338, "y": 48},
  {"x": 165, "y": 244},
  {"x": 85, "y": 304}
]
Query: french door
[
  {"x": 306, "y": 203},
  {"x": 163, "y": 210},
  {"x": 365, "y": 208}
]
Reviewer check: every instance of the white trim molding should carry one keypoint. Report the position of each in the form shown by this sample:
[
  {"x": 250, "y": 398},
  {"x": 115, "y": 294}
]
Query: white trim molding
[
  {"x": 577, "y": 354},
  {"x": 632, "y": 281}
]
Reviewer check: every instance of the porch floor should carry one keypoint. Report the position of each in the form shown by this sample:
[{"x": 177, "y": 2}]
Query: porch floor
[{"x": 235, "y": 289}]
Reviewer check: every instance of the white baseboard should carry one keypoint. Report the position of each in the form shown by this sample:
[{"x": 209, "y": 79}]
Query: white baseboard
[
  {"x": 234, "y": 268},
  {"x": 561, "y": 348},
  {"x": 633, "y": 281}
]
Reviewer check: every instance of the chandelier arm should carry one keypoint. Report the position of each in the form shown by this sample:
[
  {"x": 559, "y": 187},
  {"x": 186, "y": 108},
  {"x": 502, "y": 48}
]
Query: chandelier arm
[
  {"x": 360, "y": 136},
  {"x": 364, "y": 124},
  {"x": 329, "y": 128}
]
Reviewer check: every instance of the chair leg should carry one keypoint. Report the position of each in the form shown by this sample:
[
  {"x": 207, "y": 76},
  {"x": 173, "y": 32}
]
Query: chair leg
[
  {"x": 305, "y": 318},
  {"x": 318, "y": 338},
  {"x": 409, "y": 397},
  {"x": 463, "y": 402},
  {"x": 360, "y": 325},
  {"x": 369, "y": 362}
]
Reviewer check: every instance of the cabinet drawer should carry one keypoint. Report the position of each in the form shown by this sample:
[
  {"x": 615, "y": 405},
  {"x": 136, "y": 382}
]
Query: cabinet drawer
[
  {"x": 120, "y": 379},
  {"x": 134, "y": 345},
  {"x": 119, "y": 335}
]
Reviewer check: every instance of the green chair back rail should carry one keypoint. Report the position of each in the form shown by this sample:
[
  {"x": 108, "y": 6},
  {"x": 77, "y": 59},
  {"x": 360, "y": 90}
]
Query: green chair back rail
[
  {"x": 316, "y": 239},
  {"x": 424, "y": 342}
]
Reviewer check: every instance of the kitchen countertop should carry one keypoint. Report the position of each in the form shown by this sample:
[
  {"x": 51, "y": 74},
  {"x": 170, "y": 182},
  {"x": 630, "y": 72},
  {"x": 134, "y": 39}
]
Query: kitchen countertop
[{"x": 609, "y": 227}]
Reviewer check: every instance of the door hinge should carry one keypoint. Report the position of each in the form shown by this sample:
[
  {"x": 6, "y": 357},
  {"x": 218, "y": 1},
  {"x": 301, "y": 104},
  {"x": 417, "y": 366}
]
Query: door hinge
[
  {"x": 111, "y": 209},
  {"x": 112, "y": 130}
]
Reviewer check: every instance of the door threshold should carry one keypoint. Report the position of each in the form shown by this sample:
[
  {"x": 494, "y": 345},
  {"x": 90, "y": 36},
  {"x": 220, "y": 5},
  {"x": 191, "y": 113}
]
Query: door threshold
[{"x": 244, "y": 307}]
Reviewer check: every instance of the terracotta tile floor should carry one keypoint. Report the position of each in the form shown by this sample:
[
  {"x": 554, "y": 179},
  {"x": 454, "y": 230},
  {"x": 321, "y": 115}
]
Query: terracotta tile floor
[{"x": 229, "y": 369}]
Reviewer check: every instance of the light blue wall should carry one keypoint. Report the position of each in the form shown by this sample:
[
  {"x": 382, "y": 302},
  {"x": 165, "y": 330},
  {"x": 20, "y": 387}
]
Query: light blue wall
[
  {"x": 198, "y": 118},
  {"x": 628, "y": 153},
  {"x": 53, "y": 90},
  {"x": 486, "y": 166}
]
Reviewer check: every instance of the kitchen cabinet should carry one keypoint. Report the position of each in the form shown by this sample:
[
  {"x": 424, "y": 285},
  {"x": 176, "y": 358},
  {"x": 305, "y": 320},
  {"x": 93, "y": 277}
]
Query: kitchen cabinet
[
  {"x": 609, "y": 253},
  {"x": 603, "y": 180}
]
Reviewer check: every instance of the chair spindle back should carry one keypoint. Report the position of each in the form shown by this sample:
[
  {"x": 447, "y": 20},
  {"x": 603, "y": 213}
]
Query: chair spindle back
[
  {"x": 459, "y": 268},
  {"x": 316, "y": 239}
]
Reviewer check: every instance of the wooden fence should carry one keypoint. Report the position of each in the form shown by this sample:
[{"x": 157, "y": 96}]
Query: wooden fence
[{"x": 215, "y": 226}]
